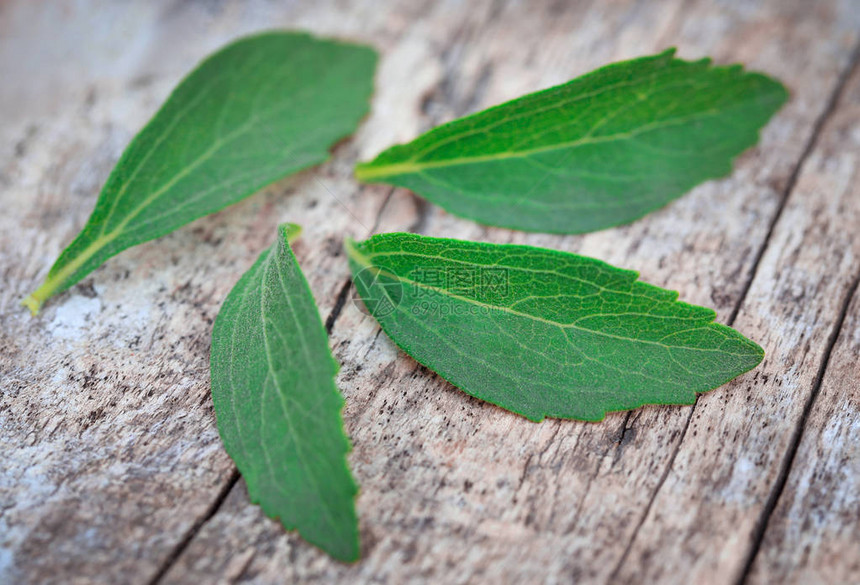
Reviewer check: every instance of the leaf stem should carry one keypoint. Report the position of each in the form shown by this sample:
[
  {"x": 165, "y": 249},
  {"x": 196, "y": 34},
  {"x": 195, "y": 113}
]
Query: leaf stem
[
  {"x": 44, "y": 292},
  {"x": 35, "y": 299},
  {"x": 54, "y": 282}
]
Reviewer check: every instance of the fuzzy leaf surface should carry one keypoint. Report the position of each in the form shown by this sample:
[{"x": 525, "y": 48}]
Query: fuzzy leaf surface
[
  {"x": 543, "y": 333},
  {"x": 258, "y": 110},
  {"x": 601, "y": 150},
  {"x": 277, "y": 406}
]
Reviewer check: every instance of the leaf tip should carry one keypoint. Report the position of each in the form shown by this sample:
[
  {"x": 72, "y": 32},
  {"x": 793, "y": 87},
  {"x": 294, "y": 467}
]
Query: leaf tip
[
  {"x": 349, "y": 553},
  {"x": 290, "y": 231},
  {"x": 757, "y": 352}
]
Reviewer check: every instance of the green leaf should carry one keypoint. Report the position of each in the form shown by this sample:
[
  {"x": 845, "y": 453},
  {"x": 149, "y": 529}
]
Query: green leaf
[
  {"x": 277, "y": 406},
  {"x": 541, "y": 332},
  {"x": 255, "y": 111},
  {"x": 598, "y": 151}
]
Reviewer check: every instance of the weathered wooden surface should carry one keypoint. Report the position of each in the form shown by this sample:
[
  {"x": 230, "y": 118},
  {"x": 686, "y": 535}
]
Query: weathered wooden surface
[
  {"x": 113, "y": 471},
  {"x": 814, "y": 533}
]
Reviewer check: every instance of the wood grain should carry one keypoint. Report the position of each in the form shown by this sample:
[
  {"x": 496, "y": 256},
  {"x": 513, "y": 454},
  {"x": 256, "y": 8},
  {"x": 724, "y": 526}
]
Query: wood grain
[
  {"x": 737, "y": 444},
  {"x": 813, "y": 535},
  {"x": 114, "y": 471}
]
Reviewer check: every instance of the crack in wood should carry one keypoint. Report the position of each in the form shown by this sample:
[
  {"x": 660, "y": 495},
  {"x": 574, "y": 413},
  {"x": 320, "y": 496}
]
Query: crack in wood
[
  {"x": 584, "y": 501},
  {"x": 794, "y": 444},
  {"x": 796, "y": 438},
  {"x": 617, "y": 569},
  {"x": 795, "y": 173},
  {"x": 180, "y": 547},
  {"x": 343, "y": 294},
  {"x": 210, "y": 513},
  {"x": 818, "y": 127},
  {"x": 339, "y": 302}
]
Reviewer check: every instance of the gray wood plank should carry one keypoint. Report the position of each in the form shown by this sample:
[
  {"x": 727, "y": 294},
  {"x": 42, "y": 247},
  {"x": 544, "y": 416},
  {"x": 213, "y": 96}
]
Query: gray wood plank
[
  {"x": 813, "y": 535},
  {"x": 112, "y": 455},
  {"x": 552, "y": 501},
  {"x": 715, "y": 502}
]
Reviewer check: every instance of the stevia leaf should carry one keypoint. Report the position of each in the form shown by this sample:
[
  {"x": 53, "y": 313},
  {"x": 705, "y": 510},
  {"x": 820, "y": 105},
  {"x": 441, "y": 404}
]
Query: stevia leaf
[
  {"x": 255, "y": 111},
  {"x": 277, "y": 406},
  {"x": 540, "y": 332},
  {"x": 598, "y": 151}
]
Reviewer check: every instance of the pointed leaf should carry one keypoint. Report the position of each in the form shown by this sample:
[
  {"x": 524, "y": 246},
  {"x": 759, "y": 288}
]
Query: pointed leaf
[
  {"x": 277, "y": 406},
  {"x": 255, "y": 111},
  {"x": 598, "y": 151},
  {"x": 541, "y": 332}
]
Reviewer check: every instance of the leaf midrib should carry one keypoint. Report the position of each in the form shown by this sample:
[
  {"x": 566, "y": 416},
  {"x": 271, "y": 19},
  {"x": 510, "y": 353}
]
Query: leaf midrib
[
  {"x": 371, "y": 171},
  {"x": 105, "y": 238},
  {"x": 360, "y": 258},
  {"x": 276, "y": 383},
  {"x": 530, "y": 112}
]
